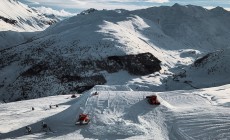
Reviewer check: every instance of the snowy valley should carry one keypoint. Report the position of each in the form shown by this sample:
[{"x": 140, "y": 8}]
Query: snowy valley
[{"x": 179, "y": 53}]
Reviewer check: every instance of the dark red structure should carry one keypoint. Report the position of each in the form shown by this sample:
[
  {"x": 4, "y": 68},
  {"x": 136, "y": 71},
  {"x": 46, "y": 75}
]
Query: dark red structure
[
  {"x": 153, "y": 100},
  {"x": 83, "y": 119}
]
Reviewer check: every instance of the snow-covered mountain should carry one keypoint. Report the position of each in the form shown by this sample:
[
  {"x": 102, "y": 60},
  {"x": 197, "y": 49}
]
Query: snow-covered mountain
[
  {"x": 179, "y": 53},
  {"x": 148, "y": 48},
  {"x": 17, "y": 21},
  {"x": 16, "y": 16}
]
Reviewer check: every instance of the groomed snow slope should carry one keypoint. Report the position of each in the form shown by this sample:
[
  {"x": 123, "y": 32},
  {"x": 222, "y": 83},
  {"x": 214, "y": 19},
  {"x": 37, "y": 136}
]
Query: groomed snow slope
[{"x": 182, "y": 115}]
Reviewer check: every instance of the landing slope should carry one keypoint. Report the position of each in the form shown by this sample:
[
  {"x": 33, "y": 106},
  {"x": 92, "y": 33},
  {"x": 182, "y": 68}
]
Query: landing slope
[{"x": 127, "y": 115}]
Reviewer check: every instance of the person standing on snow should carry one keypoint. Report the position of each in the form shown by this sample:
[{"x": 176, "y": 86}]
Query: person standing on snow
[
  {"x": 45, "y": 127},
  {"x": 28, "y": 130}
]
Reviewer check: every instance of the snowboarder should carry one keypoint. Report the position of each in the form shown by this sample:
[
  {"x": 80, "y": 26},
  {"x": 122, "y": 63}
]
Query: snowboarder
[
  {"x": 32, "y": 108},
  {"x": 28, "y": 129}
]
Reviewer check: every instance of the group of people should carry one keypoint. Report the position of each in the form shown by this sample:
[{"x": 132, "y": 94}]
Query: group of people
[{"x": 44, "y": 128}]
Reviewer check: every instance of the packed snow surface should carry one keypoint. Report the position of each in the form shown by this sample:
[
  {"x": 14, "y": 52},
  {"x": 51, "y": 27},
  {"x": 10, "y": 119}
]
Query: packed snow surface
[{"x": 120, "y": 113}]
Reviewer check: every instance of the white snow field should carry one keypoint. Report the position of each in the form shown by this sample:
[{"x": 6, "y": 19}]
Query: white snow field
[{"x": 119, "y": 113}]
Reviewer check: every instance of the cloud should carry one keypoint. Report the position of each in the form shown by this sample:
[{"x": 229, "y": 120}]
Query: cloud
[
  {"x": 121, "y": 1},
  {"x": 30, "y": 2},
  {"x": 79, "y": 5},
  {"x": 108, "y": 4},
  {"x": 50, "y": 11},
  {"x": 158, "y": 1}
]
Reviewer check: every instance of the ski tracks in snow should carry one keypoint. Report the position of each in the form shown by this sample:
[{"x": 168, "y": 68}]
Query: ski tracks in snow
[{"x": 184, "y": 116}]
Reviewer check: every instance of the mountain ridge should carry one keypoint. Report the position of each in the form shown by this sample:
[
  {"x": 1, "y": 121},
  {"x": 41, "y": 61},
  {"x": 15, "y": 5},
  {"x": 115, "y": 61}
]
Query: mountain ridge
[{"x": 81, "y": 45}]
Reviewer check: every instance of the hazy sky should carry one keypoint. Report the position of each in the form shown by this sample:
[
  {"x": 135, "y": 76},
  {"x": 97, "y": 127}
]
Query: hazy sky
[{"x": 79, "y": 5}]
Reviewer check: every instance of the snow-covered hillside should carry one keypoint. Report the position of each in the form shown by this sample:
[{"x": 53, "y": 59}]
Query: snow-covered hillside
[
  {"x": 179, "y": 53},
  {"x": 17, "y": 21},
  {"x": 119, "y": 113},
  {"x": 193, "y": 26},
  {"x": 16, "y": 16},
  {"x": 147, "y": 49}
]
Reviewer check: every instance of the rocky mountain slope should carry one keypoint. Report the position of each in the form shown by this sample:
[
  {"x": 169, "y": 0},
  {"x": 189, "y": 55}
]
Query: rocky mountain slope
[
  {"x": 152, "y": 45},
  {"x": 17, "y": 20}
]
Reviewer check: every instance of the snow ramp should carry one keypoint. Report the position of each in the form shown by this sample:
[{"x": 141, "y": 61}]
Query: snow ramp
[{"x": 114, "y": 114}]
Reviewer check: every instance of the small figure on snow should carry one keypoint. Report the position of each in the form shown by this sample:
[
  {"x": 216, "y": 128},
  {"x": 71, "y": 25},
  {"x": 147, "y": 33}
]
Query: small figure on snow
[
  {"x": 95, "y": 93},
  {"x": 73, "y": 96},
  {"x": 32, "y": 108},
  {"x": 28, "y": 130},
  {"x": 45, "y": 127}
]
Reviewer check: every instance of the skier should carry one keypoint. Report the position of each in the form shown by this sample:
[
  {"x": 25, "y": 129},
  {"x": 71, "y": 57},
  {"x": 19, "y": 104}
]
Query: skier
[
  {"x": 28, "y": 129},
  {"x": 32, "y": 108}
]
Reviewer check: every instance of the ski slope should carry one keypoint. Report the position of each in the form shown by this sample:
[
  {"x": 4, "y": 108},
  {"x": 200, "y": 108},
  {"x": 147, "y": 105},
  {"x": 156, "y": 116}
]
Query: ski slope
[{"x": 120, "y": 113}]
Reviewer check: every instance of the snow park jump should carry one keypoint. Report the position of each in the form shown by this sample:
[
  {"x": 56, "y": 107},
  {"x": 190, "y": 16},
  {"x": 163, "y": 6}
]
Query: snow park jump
[{"x": 116, "y": 114}]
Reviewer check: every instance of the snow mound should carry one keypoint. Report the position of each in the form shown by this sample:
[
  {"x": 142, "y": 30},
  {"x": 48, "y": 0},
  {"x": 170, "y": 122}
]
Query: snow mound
[{"x": 128, "y": 115}]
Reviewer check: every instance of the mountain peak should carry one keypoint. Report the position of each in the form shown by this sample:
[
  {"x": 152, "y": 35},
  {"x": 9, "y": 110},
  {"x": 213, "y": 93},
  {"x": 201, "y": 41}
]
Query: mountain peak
[
  {"x": 176, "y": 5},
  {"x": 218, "y": 9},
  {"x": 88, "y": 11}
]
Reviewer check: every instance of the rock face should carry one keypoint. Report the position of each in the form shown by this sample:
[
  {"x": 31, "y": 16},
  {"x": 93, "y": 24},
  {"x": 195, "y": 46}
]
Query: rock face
[
  {"x": 140, "y": 64},
  {"x": 91, "y": 10},
  {"x": 54, "y": 76},
  {"x": 10, "y": 21},
  {"x": 201, "y": 61}
]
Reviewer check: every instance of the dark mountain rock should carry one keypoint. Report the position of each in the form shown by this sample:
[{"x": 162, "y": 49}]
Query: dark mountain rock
[{"x": 7, "y": 20}]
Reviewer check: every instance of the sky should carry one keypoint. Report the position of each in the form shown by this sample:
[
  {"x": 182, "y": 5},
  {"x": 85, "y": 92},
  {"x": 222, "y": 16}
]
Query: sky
[{"x": 76, "y": 6}]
